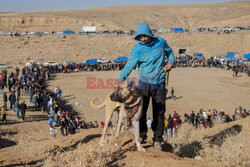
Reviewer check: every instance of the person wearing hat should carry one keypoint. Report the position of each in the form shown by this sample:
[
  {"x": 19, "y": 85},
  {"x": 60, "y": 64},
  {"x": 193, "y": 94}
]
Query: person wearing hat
[{"x": 150, "y": 54}]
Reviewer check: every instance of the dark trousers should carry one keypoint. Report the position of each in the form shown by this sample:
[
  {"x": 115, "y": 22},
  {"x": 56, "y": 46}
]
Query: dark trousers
[
  {"x": 158, "y": 95},
  {"x": 62, "y": 130}
]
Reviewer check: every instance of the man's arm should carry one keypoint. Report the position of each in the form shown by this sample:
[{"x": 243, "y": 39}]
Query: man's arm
[
  {"x": 170, "y": 56},
  {"x": 132, "y": 62}
]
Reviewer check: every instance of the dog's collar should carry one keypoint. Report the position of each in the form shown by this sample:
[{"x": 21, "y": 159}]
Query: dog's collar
[
  {"x": 134, "y": 101},
  {"x": 131, "y": 108}
]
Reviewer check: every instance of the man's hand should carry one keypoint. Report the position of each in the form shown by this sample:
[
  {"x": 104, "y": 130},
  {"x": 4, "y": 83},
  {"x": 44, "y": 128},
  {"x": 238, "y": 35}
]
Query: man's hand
[{"x": 167, "y": 68}]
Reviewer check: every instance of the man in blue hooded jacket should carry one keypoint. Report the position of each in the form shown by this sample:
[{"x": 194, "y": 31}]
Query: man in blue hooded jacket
[{"x": 150, "y": 55}]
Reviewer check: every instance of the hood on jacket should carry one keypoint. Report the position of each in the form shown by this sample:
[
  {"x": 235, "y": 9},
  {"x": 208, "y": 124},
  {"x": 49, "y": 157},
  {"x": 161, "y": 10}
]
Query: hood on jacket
[{"x": 143, "y": 29}]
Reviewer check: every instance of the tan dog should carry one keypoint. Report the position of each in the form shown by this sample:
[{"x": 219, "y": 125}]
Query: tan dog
[
  {"x": 111, "y": 107},
  {"x": 117, "y": 100}
]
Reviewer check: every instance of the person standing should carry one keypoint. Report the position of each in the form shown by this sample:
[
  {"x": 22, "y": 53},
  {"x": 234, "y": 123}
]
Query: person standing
[
  {"x": 17, "y": 108},
  {"x": 150, "y": 54},
  {"x": 3, "y": 112},
  {"x": 12, "y": 99},
  {"x": 172, "y": 92},
  {"x": 170, "y": 126},
  {"x": 23, "y": 108},
  {"x": 5, "y": 100},
  {"x": 192, "y": 117}
]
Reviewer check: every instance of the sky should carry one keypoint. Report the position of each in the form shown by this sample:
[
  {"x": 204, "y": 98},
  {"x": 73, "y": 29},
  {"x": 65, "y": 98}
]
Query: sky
[{"x": 45, "y": 5}]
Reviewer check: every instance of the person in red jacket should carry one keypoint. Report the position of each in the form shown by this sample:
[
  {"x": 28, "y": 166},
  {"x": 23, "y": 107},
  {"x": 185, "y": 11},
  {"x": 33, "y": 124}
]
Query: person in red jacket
[
  {"x": 176, "y": 124},
  {"x": 102, "y": 124}
]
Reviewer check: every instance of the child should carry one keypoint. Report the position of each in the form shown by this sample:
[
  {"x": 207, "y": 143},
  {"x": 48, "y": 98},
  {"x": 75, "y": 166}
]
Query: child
[
  {"x": 52, "y": 124},
  {"x": 53, "y": 131},
  {"x": 3, "y": 112}
]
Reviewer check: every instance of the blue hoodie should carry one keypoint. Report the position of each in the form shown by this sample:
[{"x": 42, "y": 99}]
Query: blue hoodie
[{"x": 149, "y": 57}]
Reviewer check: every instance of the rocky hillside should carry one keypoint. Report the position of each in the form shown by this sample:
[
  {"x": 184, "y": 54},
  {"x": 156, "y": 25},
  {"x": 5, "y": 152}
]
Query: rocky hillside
[{"x": 111, "y": 18}]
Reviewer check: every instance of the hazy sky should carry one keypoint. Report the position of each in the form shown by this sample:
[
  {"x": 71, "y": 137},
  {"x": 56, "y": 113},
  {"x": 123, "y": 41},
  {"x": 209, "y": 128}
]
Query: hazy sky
[{"x": 41, "y": 5}]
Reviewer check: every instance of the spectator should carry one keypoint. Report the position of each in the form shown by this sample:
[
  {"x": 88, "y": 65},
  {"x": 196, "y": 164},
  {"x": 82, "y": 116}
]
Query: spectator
[
  {"x": 176, "y": 124},
  {"x": 5, "y": 100},
  {"x": 170, "y": 127},
  {"x": 23, "y": 108},
  {"x": 3, "y": 112},
  {"x": 102, "y": 124},
  {"x": 17, "y": 108},
  {"x": 96, "y": 124},
  {"x": 172, "y": 93}
]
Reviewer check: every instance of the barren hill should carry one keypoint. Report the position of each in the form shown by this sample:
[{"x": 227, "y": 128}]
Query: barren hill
[{"x": 111, "y": 18}]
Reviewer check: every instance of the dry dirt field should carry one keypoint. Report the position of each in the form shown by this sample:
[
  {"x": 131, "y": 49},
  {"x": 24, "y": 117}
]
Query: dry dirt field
[{"x": 27, "y": 143}]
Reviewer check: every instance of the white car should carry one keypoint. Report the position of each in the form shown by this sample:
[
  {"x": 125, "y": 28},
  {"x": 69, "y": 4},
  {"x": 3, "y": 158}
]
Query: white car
[
  {"x": 50, "y": 63},
  {"x": 66, "y": 63},
  {"x": 5, "y": 66},
  {"x": 103, "y": 60},
  {"x": 31, "y": 64}
]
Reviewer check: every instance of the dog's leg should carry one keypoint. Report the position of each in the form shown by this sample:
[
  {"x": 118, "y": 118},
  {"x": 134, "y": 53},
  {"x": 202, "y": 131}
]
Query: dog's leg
[
  {"x": 107, "y": 120},
  {"x": 120, "y": 119},
  {"x": 119, "y": 124},
  {"x": 136, "y": 126}
]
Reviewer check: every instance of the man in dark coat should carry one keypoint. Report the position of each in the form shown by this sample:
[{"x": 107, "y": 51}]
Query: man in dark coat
[
  {"x": 12, "y": 99},
  {"x": 192, "y": 116},
  {"x": 23, "y": 108},
  {"x": 5, "y": 100}
]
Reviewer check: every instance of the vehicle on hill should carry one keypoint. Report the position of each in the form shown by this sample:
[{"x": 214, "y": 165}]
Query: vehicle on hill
[
  {"x": 31, "y": 64},
  {"x": 66, "y": 63},
  {"x": 129, "y": 32},
  {"x": 50, "y": 63},
  {"x": 2, "y": 34},
  {"x": 103, "y": 60},
  {"x": 103, "y": 32},
  {"x": 5, "y": 66},
  {"x": 117, "y": 32}
]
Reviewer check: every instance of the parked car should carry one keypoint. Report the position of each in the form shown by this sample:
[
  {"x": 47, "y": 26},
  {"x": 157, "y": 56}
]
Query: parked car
[
  {"x": 31, "y": 64},
  {"x": 5, "y": 66},
  {"x": 117, "y": 32},
  {"x": 66, "y": 63},
  {"x": 2, "y": 34},
  {"x": 130, "y": 32},
  {"x": 50, "y": 63},
  {"x": 103, "y": 60},
  {"x": 103, "y": 32}
]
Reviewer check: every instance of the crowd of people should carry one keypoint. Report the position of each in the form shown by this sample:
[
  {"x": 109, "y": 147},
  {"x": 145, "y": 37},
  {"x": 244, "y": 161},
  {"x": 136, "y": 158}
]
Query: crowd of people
[
  {"x": 236, "y": 67},
  {"x": 69, "y": 68},
  {"x": 31, "y": 82},
  {"x": 202, "y": 120}
]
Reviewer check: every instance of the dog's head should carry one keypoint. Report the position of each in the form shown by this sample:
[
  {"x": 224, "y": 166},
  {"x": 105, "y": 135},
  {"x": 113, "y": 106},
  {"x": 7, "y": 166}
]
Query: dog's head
[{"x": 121, "y": 93}]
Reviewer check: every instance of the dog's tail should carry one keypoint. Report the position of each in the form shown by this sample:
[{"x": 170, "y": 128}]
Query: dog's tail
[{"x": 96, "y": 106}]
